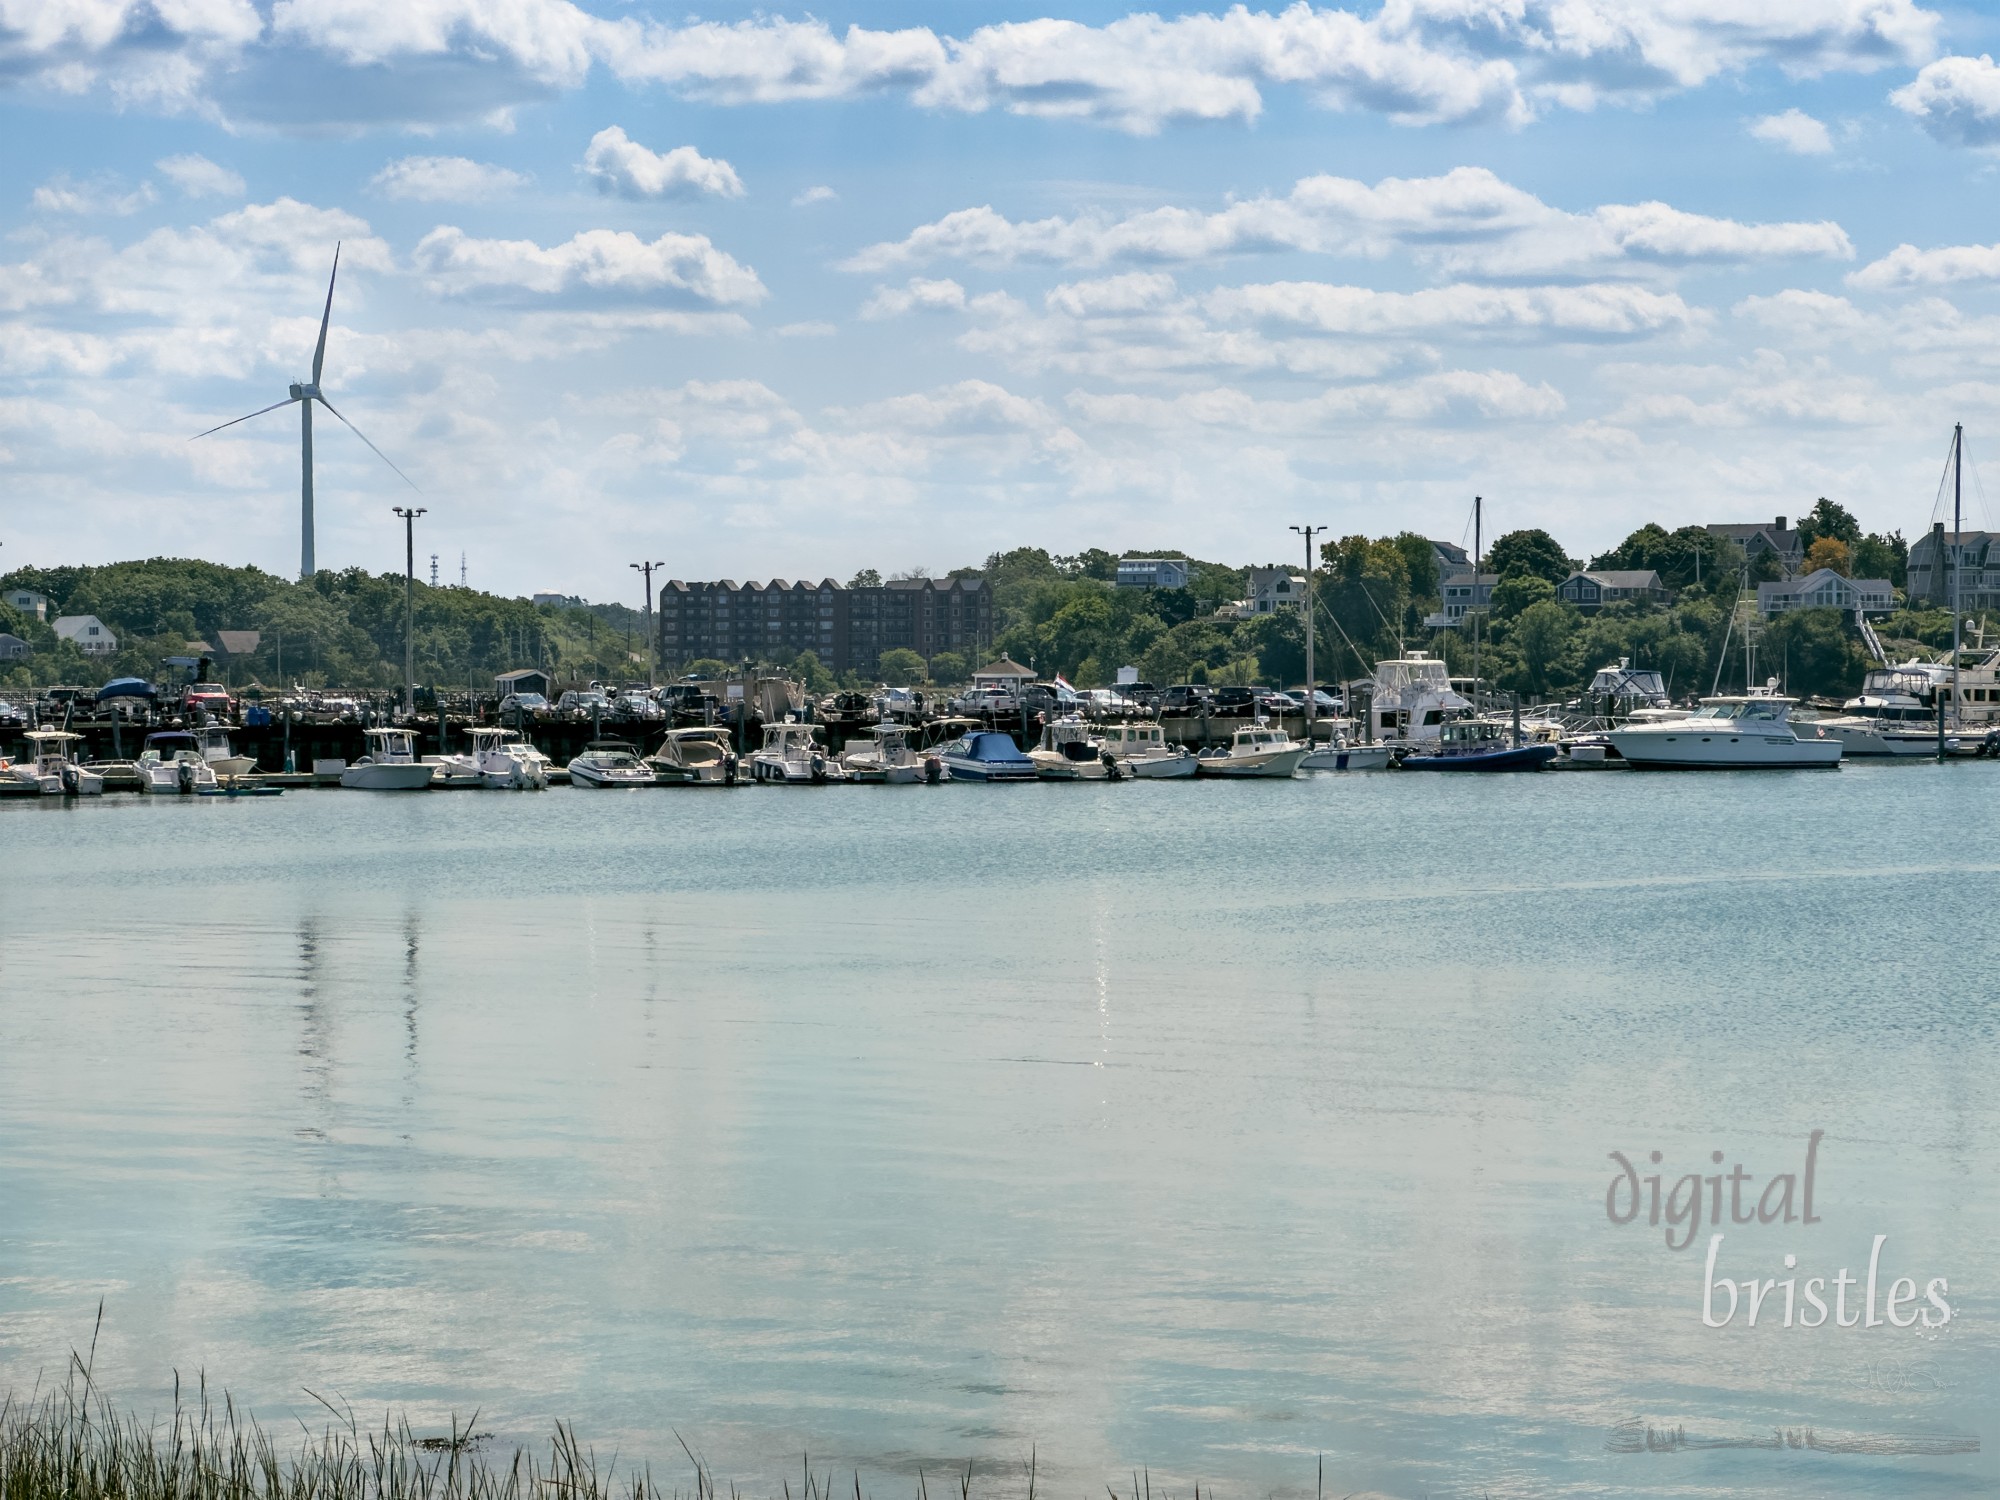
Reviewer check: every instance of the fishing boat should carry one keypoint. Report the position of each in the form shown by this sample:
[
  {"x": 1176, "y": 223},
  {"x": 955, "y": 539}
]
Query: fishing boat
[
  {"x": 507, "y": 762},
  {"x": 1479, "y": 745},
  {"x": 1069, "y": 751},
  {"x": 1731, "y": 732},
  {"x": 609, "y": 763},
  {"x": 1411, "y": 698},
  {"x": 172, "y": 762},
  {"x": 1142, "y": 751},
  {"x": 882, "y": 753},
  {"x": 391, "y": 764},
  {"x": 986, "y": 755},
  {"x": 694, "y": 757},
  {"x": 220, "y": 755},
  {"x": 455, "y": 772},
  {"x": 1341, "y": 753},
  {"x": 1258, "y": 751},
  {"x": 54, "y": 770},
  {"x": 792, "y": 755}
]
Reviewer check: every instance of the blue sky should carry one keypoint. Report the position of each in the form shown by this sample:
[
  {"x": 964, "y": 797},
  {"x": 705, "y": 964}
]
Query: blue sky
[{"x": 792, "y": 293}]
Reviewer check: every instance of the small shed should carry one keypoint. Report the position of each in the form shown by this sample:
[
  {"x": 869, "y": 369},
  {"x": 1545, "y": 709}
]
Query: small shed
[
  {"x": 526, "y": 680},
  {"x": 1004, "y": 673}
]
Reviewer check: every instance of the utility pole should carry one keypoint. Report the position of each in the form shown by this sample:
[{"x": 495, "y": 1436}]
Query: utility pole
[
  {"x": 410, "y": 610},
  {"x": 1478, "y": 518},
  {"x": 652, "y": 639},
  {"x": 1957, "y": 557},
  {"x": 1312, "y": 682}
]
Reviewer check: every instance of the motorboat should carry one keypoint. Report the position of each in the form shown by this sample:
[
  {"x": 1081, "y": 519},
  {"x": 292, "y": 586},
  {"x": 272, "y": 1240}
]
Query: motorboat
[
  {"x": 609, "y": 763},
  {"x": 1069, "y": 751},
  {"x": 1142, "y": 751},
  {"x": 391, "y": 764},
  {"x": 1256, "y": 751},
  {"x": 458, "y": 772},
  {"x": 694, "y": 757},
  {"x": 986, "y": 755},
  {"x": 221, "y": 757},
  {"x": 1745, "y": 731},
  {"x": 507, "y": 762},
  {"x": 792, "y": 755},
  {"x": 1340, "y": 752},
  {"x": 172, "y": 762},
  {"x": 1412, "y": 696},
  {"x": 1895, "y": 714},
  {"x": 1480, "y": 745},
  {"x": 882, "y": 753},
  {"x": 54, "y": 770}
]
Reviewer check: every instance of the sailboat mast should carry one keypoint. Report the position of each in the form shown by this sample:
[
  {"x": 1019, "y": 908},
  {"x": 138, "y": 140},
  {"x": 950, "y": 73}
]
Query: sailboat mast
[
  {"x": 1472, "y": 608},
  {"x": 1957, "y": 556}
]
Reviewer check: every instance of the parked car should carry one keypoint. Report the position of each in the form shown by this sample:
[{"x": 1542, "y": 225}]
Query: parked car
[
  {"x": 636, "y": 704},
  {"x": 1234, "y": 702},
  {"x": 524, "y": 704},
  {"x": 12, "y": 713},
  {"x": 211, "y": 698},
  {"x": 1186, "y": 698},
  {"x": 1279, "y": 703},
  {"x": 986, "y": 700},
  {"x": 584, "y": 702}
]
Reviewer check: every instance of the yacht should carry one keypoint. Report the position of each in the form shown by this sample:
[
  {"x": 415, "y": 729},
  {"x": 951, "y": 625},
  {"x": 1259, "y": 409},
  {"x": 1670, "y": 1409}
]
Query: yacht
[
  {"x": 172, "y": 761},
  {"x": 55, "y": 771},
  {"x": 986, "y": 755},
  {"x": 1480, "y": 745},
  {"x": 609, "y": 763},
  {"x": 507, "y": 762},
  {"x": 1142, "y": 750},
  {"x": 793, "y": 756},
  {"x": 1411, "y": 698},
  {"x": 391, "y": 764},
  {"x": 694, "y": 757},
  {"x": 1260, "y": 751},
  {"x": 1069, "y": 752},
  {"x": 1744, "y": 731},
  {"x": 882, "y": 753},
  {"x": 1890, "y": 716}
]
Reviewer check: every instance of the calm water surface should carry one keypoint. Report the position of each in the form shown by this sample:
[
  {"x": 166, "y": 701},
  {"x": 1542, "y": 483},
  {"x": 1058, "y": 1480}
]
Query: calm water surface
[{"x": 1194, "y": 1126}]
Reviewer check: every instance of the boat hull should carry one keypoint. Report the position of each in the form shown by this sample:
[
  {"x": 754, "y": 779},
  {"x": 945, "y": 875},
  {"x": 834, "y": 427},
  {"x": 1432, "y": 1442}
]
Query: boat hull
[
  {"x": 1353, "y": 758},
  {"x": 1868, "y": 742},
  {"x": 1682, "y": 751},
  {"x": 1280, "y": 764},
  {"x": 964, "y": 768},
  {"x": 1512, "y": 758},
  {"x": 1050, "y": 766},
  {"x": 1157, "y": 767},
  {"x": 397, "y": 776},
  {"x": 608, "y": 776}
]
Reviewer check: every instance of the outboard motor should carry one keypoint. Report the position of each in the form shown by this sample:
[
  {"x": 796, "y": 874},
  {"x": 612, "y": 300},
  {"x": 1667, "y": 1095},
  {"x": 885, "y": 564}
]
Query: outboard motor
[
  {"x": 818, "y": 769},
  {"x": 72, "y": 779},
  {"x": 933, "y": 770},
  {"x": 1111, "y": 765},
  {"x": 729, "y": 770},
  {"x": 184, "y": 777}
]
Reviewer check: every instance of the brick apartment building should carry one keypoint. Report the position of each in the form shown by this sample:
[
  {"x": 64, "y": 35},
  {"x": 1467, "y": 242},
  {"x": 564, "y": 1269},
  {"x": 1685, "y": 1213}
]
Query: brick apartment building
[{"x": 847, "y": 629}]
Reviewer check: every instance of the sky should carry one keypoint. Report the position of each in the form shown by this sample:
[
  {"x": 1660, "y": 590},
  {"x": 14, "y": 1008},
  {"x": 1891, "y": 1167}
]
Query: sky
[{"x": 791, "y": 293}]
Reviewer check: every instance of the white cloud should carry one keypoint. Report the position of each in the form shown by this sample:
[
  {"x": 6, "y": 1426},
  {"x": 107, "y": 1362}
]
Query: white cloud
[
  {"x": 814, "y": 329},
  {"x": 621, "y": 165},
  {"x": 1614, "y": 311},
  {"x": 1466, "y": 219},
  {"x": 1794, "y": 131},
  {"x": 1415, "y": 61},
  {"x": 1907, "y": 266},
  {"x": 198, "y": 177},
  {"x": 63, "y": 194},
  {"x": 820, "y": 193},
  {"x": 1447, "y": 396},
  {"x": 918, "y": 295},
  {"x": 596, "y": 259},
  {"x": 445, "y": 179},
  {"x": 1956, "y": 99}
]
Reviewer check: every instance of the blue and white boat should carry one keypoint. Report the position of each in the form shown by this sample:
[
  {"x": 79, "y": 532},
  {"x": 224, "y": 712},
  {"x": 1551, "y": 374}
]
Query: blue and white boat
[
  {"x": 986, "y": 755},
  {"x": 1479, "y": 745}
]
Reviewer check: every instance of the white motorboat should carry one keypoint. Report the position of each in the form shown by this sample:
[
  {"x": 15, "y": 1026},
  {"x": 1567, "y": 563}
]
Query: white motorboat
[
  {"x": 793, "y": 756},
  {"x": 1895, "y": 714},
  {"x": 694, "y": 757},
  {"x": 507, "y": 762},
  {"x": 883, "y": 754},
  {"x": 172, "y": 763},
  {"x": 1411, "y": 698},
  {"x": 1340, "y": 752},
  {"x": 1141, "y": 750},
  {"x": 609, "y": 763},
  {"x": 221, "y": 757},
  {"x": 55, "y": 771},
  {"x": 391, "y": 764},
  {"x": 1070, "y": 752},
  {"x": 1259, "y": 751},
  {"x": 1747, "y": 731},
  {"x": 454, "y": 772}
]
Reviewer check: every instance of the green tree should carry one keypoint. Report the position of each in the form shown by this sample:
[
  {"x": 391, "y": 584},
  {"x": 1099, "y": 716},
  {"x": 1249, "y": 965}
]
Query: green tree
[
  {"x": 867, "y": 578},
  {"x": 948, "y": 667},
  {"x": 900, "y": 665},
  {"x": 1830, "y": 552},
  {"x": 1528, "y": 551},
  {"x": 1544, "y": 634},
  {"x": 1817, "y": 652},
  {"x": 1517, "y": 592},
  {"x": 1827, "y": 519},
  {"x": 1883, "y": 557},
  {"x": 806, "y": 666}
]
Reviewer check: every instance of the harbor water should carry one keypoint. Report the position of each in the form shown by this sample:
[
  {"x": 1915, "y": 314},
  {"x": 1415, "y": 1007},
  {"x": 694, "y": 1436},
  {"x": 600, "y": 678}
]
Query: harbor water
[{"x": 1195, "y": 1129}]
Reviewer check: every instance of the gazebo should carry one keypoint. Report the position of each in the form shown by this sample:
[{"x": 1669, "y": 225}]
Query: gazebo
[{"x": 1004, "y": 673}]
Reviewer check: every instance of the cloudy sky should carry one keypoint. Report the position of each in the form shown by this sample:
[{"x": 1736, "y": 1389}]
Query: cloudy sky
[{"x": 792, "y": 292}]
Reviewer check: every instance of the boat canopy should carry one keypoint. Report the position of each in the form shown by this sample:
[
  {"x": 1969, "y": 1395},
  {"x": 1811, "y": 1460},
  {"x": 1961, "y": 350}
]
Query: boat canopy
[
  {"x": 127, "y": 687},
  {"x": 176, "y": 737},
  {"x": 1622, "y": 681}
]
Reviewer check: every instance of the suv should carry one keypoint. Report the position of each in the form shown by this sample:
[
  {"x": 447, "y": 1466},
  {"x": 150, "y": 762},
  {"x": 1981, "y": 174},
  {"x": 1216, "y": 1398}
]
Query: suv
[
  {"x": 583, "y": 702},
  {"x": 1234, "y": 702},
  {"x": 1185, "y": 699},
  {"x": 524, "y": 704}
]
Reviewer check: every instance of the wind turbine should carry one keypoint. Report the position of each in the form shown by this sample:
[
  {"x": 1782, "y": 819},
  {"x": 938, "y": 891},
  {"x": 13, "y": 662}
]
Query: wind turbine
[{"x": 305, "y": 395}]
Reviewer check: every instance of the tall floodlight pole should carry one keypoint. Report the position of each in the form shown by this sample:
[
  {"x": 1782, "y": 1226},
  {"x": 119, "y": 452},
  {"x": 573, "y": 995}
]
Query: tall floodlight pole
[
  {"x": 1312, "y": 682},
  {"x": 410, "y": 611},
  {"x": 652, "y": 638}
]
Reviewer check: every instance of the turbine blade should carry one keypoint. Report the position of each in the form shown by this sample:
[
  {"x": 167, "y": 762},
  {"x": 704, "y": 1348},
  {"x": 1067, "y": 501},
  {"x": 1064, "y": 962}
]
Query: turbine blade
[
  {"x": 319, "y": 353},
  {"x": 371, "y": 447},
  {"x": 258, "y": 413}
]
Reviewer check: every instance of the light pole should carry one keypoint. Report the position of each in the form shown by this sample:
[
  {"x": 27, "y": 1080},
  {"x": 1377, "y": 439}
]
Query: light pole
[
  {"x": 410, "y": 612},
  {"x": 1312, "y": 683},
  {"x": 652, "y": 640}
]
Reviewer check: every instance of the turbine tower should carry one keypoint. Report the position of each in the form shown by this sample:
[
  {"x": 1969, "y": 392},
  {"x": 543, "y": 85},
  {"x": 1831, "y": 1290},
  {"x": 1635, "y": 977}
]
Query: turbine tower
[{"x": 305, "y": 395}]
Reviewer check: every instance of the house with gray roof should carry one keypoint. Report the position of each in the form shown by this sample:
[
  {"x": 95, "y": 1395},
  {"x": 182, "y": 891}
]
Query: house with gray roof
[{"x": 1593, "y": 588}]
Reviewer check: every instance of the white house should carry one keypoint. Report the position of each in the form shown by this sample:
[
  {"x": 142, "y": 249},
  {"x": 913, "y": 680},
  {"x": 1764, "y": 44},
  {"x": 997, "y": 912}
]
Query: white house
[
  {"x": 1271, "y": 589},
  {"x": 29, "y": 603},
  {"x": 92, "y": 636},
  {"x": 1825, "y": 589}
]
